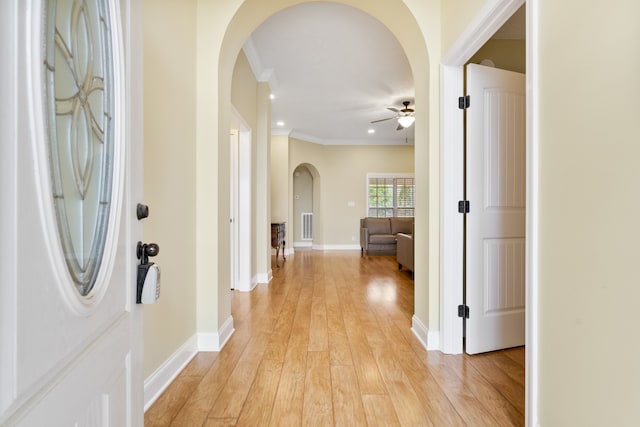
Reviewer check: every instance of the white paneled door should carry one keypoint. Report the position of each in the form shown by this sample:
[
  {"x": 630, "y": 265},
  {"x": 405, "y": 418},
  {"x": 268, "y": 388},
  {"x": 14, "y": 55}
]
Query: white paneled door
[
  {"x": 496, "y": 189},
  {"x": 70, "y": 177}
]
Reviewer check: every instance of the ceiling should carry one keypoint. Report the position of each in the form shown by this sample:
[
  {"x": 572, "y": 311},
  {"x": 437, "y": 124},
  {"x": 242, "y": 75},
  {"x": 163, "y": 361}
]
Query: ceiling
[{"x": 333, "y": 69}]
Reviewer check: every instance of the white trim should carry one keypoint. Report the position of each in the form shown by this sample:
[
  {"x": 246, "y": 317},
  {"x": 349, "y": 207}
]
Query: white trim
[
  {"x": 259, "y": 72},
  {"x": 261, "y": 278},
  {"x": 307, "y": 244},
  {"x": 488, "y": 20},
  {"x": 158, "y": 381},
  {"x": 250, "y": 286},
  {"x": 452, "y": 190},
  {"x": 420, "y": 331},
  {"x": 349, "y": 247},
  {"x": 8, "y": 210},
  {"x": 433, "y": 340},
  {"x": 215, "y": 341},
  {"x": 532, "y": 266}
]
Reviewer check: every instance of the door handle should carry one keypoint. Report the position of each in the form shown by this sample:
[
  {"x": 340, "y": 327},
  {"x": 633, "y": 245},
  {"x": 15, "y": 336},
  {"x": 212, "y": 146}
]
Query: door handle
[{"x": 148, "y": 286}]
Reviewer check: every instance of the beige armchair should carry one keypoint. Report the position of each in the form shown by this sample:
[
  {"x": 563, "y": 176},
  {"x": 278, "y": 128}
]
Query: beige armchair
[{"x": 404, "y": 252}]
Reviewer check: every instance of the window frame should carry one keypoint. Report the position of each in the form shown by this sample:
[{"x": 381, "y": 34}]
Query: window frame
[{"x": 395, "y": 207}]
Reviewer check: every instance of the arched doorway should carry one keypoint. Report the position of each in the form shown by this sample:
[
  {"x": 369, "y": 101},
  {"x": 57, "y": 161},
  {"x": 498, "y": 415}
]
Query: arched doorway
[
  {"x": 215, "y": 67},
  {"x": 306, "y": 207}
]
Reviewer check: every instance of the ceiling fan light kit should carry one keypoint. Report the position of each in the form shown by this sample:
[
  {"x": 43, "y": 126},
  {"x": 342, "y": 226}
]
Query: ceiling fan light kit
[
  {"x": 404, "y": 116},
  {"x": 406, "y": 121}
]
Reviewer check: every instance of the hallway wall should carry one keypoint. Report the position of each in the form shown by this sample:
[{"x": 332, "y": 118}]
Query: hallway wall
[{"x": 169, "y": 175}]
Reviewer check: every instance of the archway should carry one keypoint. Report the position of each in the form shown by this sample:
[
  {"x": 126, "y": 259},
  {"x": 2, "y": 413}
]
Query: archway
[
  {"x": 232, "y": 25},
  {"x": 306, "y": 199}
]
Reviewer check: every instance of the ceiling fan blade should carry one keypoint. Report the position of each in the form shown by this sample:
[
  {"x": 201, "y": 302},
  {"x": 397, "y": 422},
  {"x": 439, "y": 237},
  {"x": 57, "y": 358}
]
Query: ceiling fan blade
[
  {"x": 399, "y": 127},
  {"x": 382, "y": 120},
  {"x": 394, "y": 109}
]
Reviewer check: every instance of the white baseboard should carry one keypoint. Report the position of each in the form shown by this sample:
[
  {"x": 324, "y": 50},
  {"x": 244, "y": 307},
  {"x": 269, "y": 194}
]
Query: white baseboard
[
  {"x": 262, "y": 278},
  {"x": 433, "y": 340},
  {"x": 216, "y": 340},
  {"x": 246, "y": 288},
  {"x": 430, "y": 340},
  {"x": 302, "y": 244},
  {"x": 349, "y": 247},
  {"x": 290, "y": 250},
  {"x": 168, "y": 371}
]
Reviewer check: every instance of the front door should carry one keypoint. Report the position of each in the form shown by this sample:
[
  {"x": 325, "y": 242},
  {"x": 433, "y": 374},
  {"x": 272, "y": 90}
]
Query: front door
[
  {"x": 70, "y": 331},
  {"x": 496, "y": 184}
]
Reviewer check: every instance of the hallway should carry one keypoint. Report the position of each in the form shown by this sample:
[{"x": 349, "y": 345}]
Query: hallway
[{"x": 328, "y": 342}]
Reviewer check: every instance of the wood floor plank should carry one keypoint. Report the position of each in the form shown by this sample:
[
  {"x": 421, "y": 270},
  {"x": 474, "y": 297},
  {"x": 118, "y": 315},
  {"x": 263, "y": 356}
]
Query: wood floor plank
[
  {"x": 347, "y": 401},
  {"x": 289, "y": 400},
  {"x": 169, "y": 403},
  {"x": 318, "y": 334},
  {"x": 503, "y": 383},
  {"x": 259, "y": 403},
  {"x": 318, "y": 405},
  {"x": 220, "y": 422},
  {"x": 369, "y": 377},
  {"x": 408, "y": 407},
  {"x": 200, "y": 364},
  {"x": 379, "y": 411},
  {"x": 436, "y": 402},
  {"x": 233, "y": 395},
  {"x": 329, "y": 341},
  {"x": 195, "y": 410}
]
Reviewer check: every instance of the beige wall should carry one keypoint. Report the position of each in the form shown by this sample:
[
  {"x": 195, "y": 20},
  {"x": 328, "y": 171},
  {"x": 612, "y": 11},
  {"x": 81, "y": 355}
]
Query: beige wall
[
  {"x": 169, "y": 173},
  {"x": 456, "y": 16},
  {"x": 505, "y": 54},
  {"x": 279, "y": 170},
  {"x": 588, "y": 165},
  {"x": 244, "y": 92},
  {"x": 342, "y": 174}
]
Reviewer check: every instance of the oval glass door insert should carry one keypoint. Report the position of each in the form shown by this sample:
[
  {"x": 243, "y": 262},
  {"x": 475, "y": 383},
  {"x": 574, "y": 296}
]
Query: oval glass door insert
[{"x": 79, "y": 100}]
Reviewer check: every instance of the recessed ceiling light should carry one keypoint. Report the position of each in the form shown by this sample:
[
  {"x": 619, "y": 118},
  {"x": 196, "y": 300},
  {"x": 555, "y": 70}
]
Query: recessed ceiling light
[
  {"x": 371, "y": 131},
  {"x": 272, "y": 96},
  {"x": 280, "y": 123}
]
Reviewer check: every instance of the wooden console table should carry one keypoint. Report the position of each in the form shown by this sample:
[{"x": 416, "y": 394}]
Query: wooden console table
[{"x": 277, "y": 239}]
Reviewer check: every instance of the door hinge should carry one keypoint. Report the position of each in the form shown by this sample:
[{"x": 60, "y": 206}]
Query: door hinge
[
  {"x": 463, "y": 311},
  {"x": 464, "y": 102},
  {"x": 463, "y": 206}
]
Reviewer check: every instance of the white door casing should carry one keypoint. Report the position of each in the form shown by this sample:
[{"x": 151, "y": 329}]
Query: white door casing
[
  {"x": 496, "y": 189},
  {"x": 241, "y": 204},
  {"x": 235, "y": 232},
  {"x": 70, "y": 354}
]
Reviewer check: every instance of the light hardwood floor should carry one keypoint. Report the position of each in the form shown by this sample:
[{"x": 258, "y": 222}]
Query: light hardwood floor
[{"x": 329, "y": 342}]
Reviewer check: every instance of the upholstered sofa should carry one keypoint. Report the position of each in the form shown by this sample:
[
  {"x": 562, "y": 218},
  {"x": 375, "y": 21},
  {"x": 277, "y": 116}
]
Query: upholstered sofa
[
  {"x": 404, "y": 253},
  {"x": 379, "y": 234}
]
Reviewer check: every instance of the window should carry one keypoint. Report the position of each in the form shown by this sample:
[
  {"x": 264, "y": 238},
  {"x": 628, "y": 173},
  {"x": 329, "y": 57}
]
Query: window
[{"x": 390, "y": 195}]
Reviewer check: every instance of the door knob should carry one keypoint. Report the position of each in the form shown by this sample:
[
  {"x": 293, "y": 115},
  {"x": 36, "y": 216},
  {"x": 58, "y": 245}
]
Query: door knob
[
  {"x": 142, "y": 211},
  {"x": 146, "y": 250}
]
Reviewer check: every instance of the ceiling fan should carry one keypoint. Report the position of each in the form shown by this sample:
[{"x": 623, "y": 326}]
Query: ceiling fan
[{"x": 404, "y": 116}]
